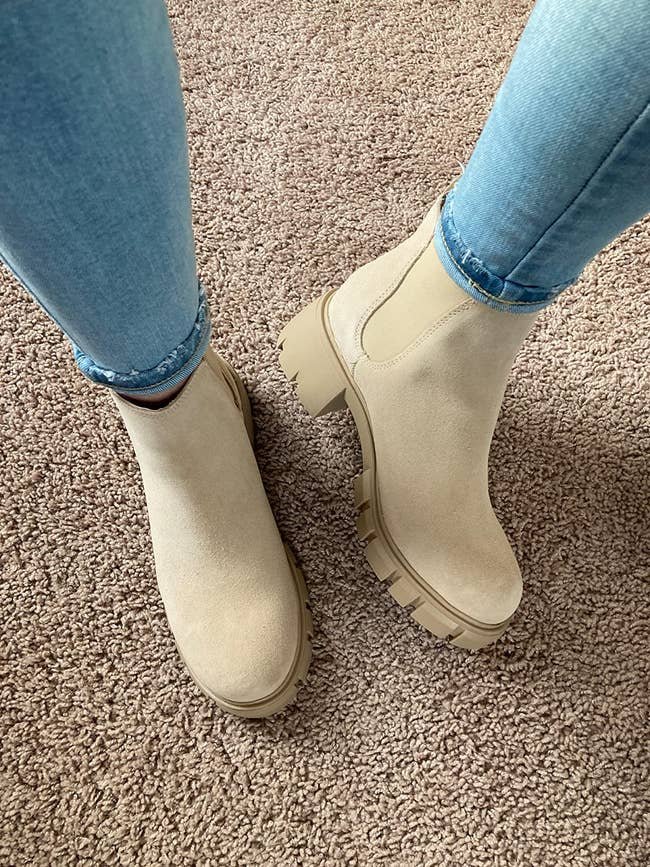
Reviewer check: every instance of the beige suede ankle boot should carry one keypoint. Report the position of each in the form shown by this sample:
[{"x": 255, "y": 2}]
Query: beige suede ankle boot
[
  {"x": 235, "y": 600},
  {"x": 423, "y": 368}
]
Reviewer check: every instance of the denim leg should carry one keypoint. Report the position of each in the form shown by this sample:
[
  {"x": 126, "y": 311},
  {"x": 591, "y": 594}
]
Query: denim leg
[
  {"x": 563, "y": 163},
  {"x": 95, "y": 214}
]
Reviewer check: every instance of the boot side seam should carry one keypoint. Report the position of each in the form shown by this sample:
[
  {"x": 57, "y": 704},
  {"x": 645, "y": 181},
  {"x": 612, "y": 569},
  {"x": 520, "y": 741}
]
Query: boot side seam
[
  {"x": 460, "y": 308},
  {"x": 376, "y": 303}
]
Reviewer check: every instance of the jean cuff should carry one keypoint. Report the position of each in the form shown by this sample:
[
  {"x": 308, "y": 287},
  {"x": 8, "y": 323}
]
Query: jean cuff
[
  {"x": 467, "y": 270},
  {"x": 174, "y": 367}
]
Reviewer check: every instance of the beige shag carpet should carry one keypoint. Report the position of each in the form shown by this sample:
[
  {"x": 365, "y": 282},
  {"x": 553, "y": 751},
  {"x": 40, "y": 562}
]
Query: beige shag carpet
[{"x": 319, "y": 133}]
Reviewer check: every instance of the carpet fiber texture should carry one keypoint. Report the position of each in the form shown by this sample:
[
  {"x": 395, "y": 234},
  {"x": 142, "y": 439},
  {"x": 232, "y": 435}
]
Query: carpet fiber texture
[{"x": 319, "y": 133}]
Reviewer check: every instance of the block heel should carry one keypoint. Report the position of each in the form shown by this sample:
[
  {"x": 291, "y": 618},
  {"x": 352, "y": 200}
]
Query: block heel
[{"x": 307, "y": 358}]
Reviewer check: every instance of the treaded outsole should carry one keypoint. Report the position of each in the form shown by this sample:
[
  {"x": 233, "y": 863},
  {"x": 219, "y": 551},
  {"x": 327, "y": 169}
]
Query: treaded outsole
[{"x": 309, "y": 359}]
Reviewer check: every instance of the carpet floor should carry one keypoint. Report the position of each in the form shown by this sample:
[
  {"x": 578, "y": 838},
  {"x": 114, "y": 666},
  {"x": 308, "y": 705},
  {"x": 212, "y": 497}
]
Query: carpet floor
[{"x": 319, "y": 133}]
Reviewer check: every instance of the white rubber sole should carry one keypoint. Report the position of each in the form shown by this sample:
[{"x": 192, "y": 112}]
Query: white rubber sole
[{"x": 309, "y": 357}]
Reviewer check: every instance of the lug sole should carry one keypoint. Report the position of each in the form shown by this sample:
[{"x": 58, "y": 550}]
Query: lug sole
[{"x": 309, "y": 358}]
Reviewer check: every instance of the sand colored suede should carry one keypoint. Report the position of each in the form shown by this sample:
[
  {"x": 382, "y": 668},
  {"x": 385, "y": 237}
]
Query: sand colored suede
[
  {"x": 234, "y": 600},
  {"x": 423, "y": 367},
  {"x": 433, "y": 410}
]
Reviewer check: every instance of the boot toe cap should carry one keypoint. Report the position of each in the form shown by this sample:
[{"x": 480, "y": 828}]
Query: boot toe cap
[
  {"x": 487, "y": 598},
  {"x": 249, "y": 654}
]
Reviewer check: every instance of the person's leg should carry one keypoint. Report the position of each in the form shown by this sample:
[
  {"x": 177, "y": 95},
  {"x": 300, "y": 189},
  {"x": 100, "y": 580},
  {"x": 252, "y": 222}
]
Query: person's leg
[
  {"x": 95, "y": 221},
  {"x": 419, "y": 343},
  {"x": 563, "y": 163},
  {"x": 94, "y": 186}
]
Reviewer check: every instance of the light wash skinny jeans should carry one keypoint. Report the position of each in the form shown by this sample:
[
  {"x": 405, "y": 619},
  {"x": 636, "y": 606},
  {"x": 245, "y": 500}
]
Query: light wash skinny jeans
[
  {"x": 563, "y": 163},
  {"x": 94, "y": 190}
]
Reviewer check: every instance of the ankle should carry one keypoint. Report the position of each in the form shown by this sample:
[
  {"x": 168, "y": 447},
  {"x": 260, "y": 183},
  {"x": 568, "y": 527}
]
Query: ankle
[{"x": 157, "y": 400}]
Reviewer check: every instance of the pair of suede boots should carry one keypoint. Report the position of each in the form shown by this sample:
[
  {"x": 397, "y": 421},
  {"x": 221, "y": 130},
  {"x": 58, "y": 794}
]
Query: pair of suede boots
[{"x": 423, "y": 368}]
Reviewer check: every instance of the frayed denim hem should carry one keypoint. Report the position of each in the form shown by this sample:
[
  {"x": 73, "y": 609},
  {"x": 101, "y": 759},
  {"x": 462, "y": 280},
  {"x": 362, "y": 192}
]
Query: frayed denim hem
[
  {"x": 174, "y": 367},
  {"x": 482, "y": 285}
]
